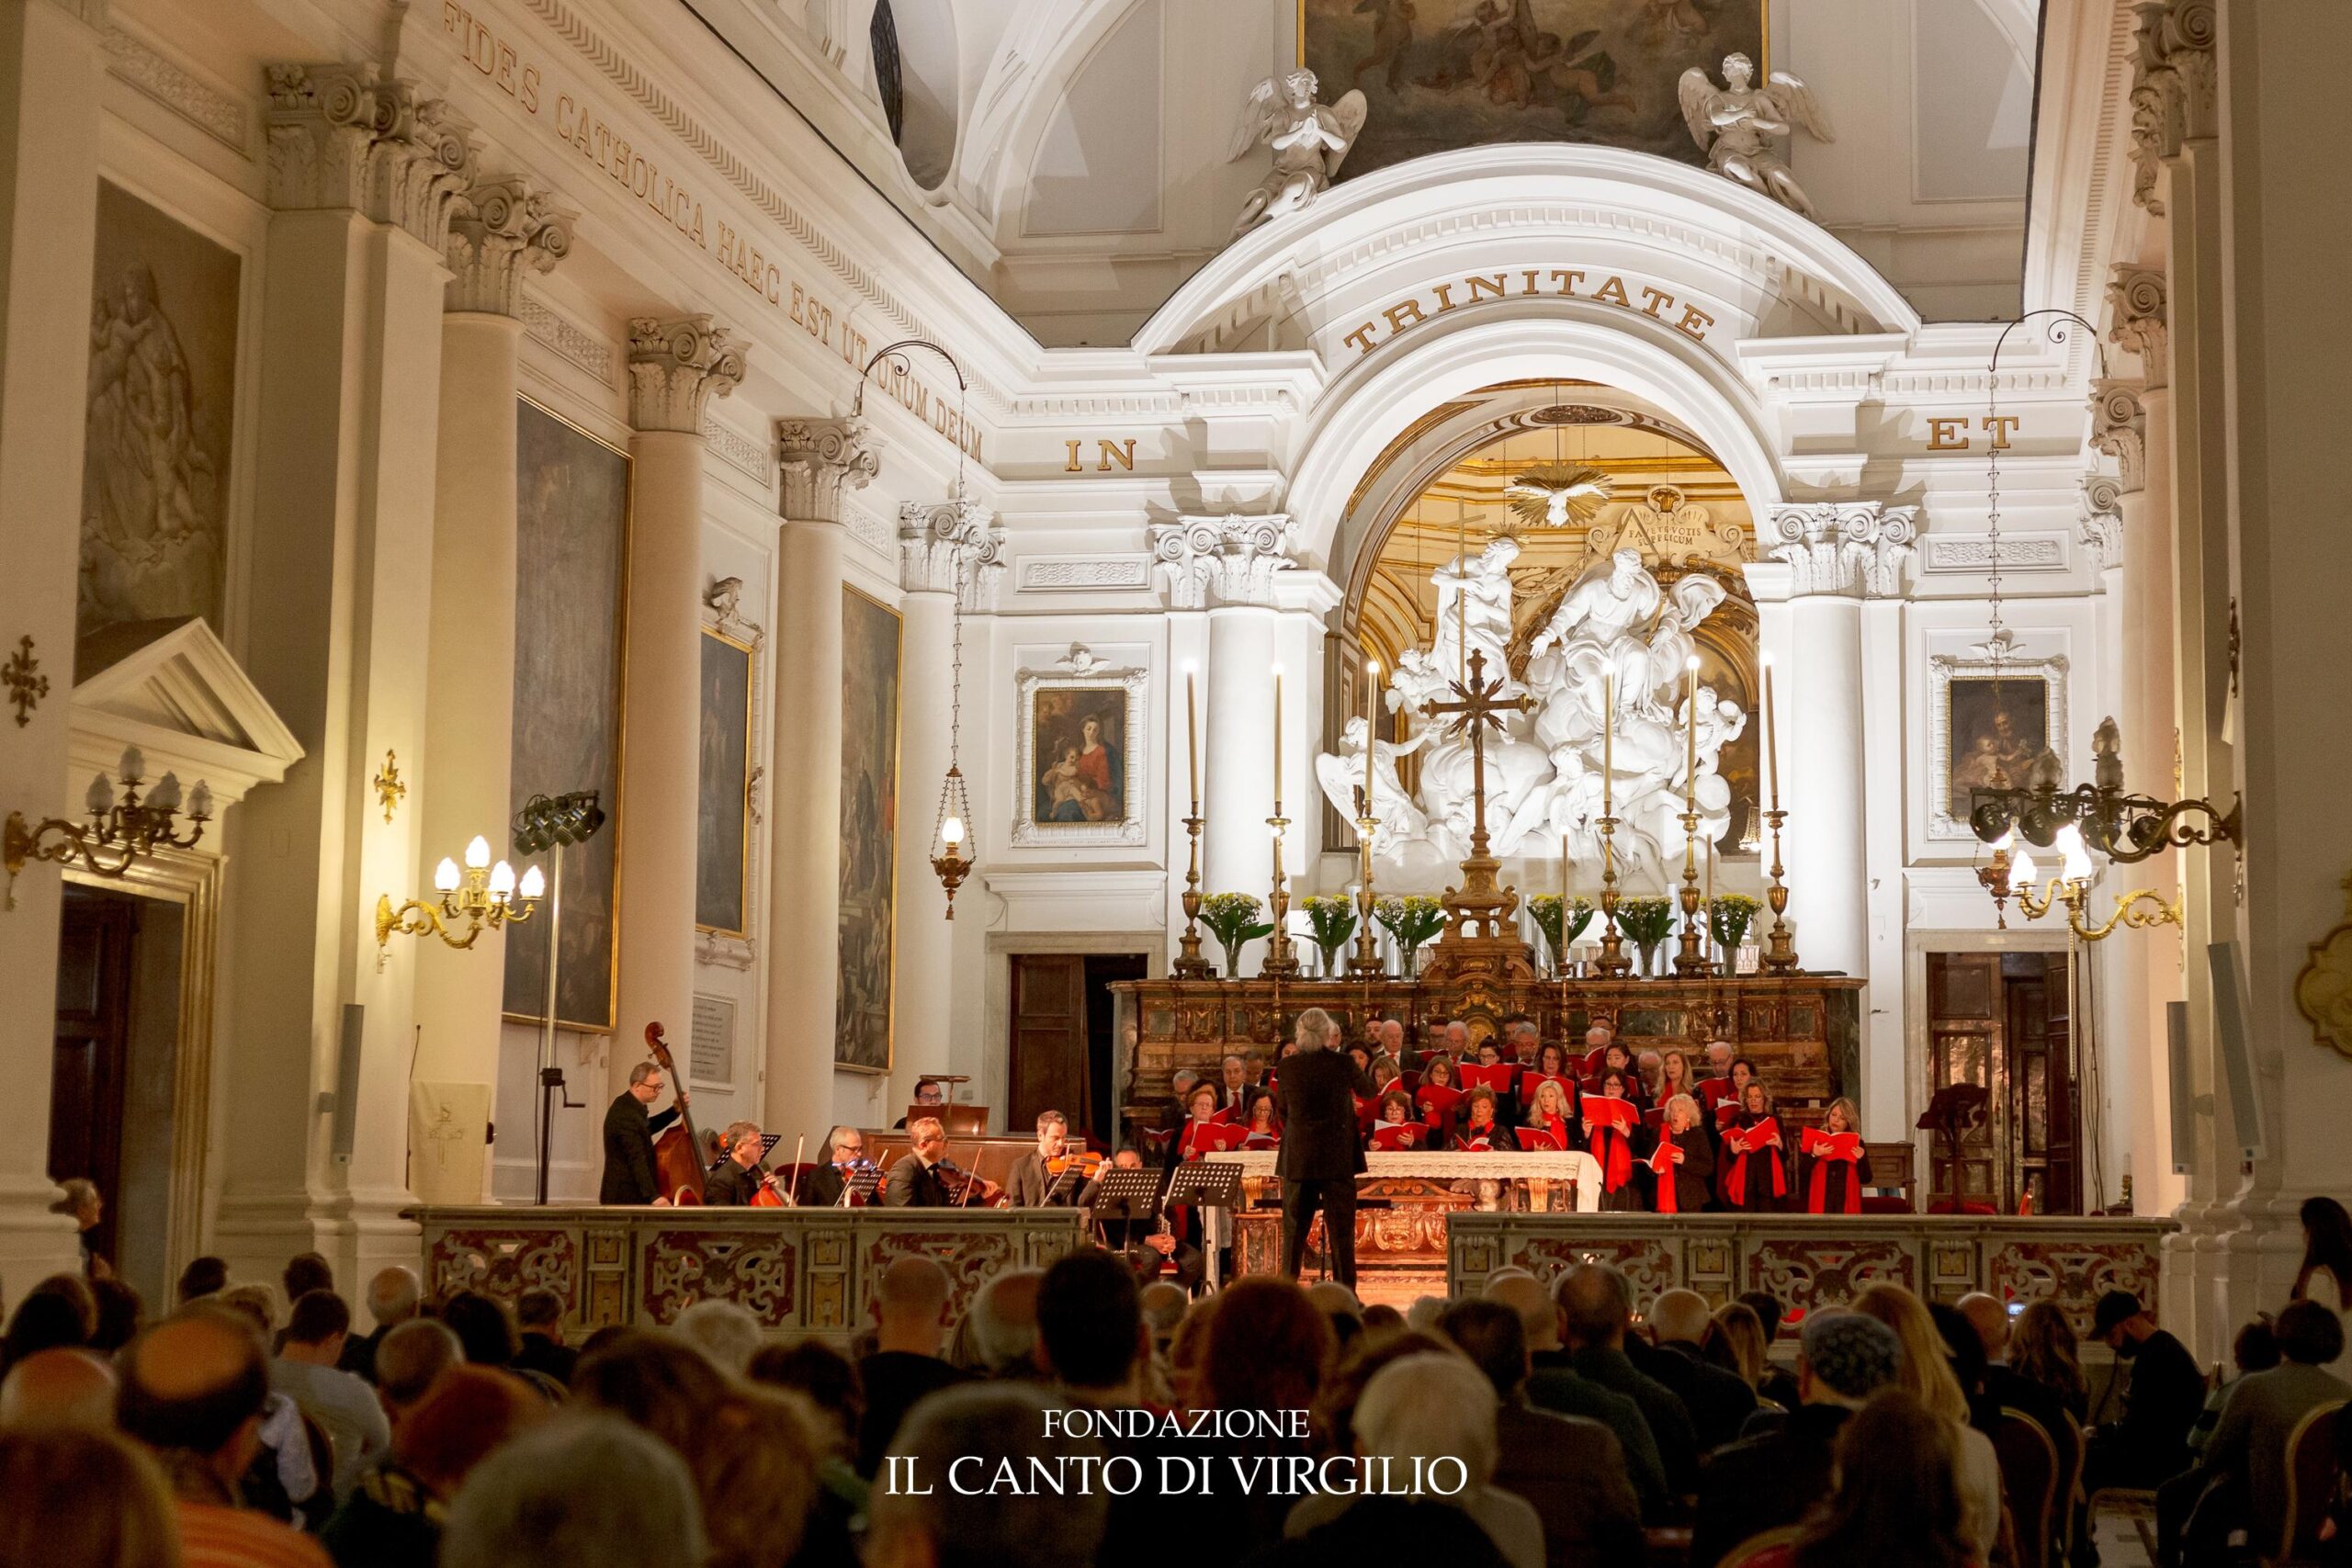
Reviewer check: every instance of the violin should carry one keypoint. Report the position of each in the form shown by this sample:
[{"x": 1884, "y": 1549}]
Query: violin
[
  {"x": 1086, "y": 1162},
  {"x": 962, "y": 1186}
]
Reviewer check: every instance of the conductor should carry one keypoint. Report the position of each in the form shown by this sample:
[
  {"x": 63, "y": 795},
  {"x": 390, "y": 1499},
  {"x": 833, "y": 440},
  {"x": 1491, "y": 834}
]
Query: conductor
[{"x": 1319, "y": 1157}]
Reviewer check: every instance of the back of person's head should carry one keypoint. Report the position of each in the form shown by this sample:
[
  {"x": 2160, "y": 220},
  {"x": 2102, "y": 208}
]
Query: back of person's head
[
  {"x": 461, "y": 1419},
  {"x": 60, "y": 1387},
  {"x": 1767, "y": 1310},
  {"x": 1680, "y": 1317},
  {"x": 1004, "y": 1319},
  {"x": 1490, "y": 1334},
  {"x": 914, "y": 1292},
  {"x": 757, "y": 1476},
  {"x": 1339, "y": 1303},
  {"x": 1596, "y": 1304},
  {"x": 393, "y": 1295},
  {"x": 122, "y": 1312},
  {"x": 192, "y": 1383},
  {"x": 58, "y": 1314},
  {"x": 1742, "y": 1337},
  {"x": 1989, "y": 1317},
  {"x": 1926, "y": 1373},
  {"x": 412, "y": 1356},
  {"x": 2255, "y": 1349},
  {"x": 1090, "y": 1319},
  {"x": 820, "y": 1374},
  {"x": 1963, "y": 1347},
  {"x": 1268, "y": 1346},
  {"x": 1352, "y": 1372},
  {"x": 1163, "y": 1303},
  {"x": 726, "y": 1331},
  {"x": 2310, "y": 1335},
  {"x": 1846, "y": 1358},
  {"x": 202, "y": 1277},
  {"x": 581, "y": 1491},
  {"x": 652, "y": 1380},
  {"x": 256, "y": 1304},
  {"x": 935, "y": 1522},
  {"x": 1420, "y": 1411},
  {"x": 2043, "y": 1347},
  {"x": 482, "y": 1326},
  {"x": 1425, "y": 1312},
  {"x": 1382, "y": 1321},
  {"x": 1539, "y": 1314},
  {"x": 538, "y": 1310},
  {"x": 317, "y": 1317},
  {"x": 1897, "y": 1500},
  {"x": 1188, "y": 1352},
  {"x": 1313, "y": 1028},
  {"x": 305, "y": 1273},
  {"x": 83, "y": 1499}
]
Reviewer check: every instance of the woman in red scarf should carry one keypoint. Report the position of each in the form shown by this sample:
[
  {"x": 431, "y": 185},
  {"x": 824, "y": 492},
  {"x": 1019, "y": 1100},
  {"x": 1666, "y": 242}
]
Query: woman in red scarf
[
  {"x": 1614, "y": 1147},
  {"x": 1837, "y": 1168},
  {"x": 1264, "y": 1132},
  {"x": 1683, "y": 1184},
  {"x": 1553, "y": 1111},
  {"x": 1755, "y": 1180},
  {"x": 1203, "y": 1132},
  {"x": 1478, "y": 1129}
]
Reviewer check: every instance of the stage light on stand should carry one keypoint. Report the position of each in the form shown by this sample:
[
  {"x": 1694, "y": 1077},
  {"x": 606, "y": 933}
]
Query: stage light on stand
[{"x": 548, "y": 824}]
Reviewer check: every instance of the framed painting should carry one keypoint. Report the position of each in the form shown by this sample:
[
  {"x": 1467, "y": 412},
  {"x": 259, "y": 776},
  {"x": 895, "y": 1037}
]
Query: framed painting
[
  {"x": 1987, "y": 727},
  {"x": 571, "y": 645},
  {"x": 1446, "y": 73},
  {"x": 1079, "y": 755},
  {"x": 723, "y": 785},
  {"x": 869, "y": 819}
]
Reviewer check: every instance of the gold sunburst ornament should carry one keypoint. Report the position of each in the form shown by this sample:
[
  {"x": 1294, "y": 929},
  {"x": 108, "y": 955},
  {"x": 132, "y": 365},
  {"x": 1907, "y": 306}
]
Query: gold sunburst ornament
[{"x": 1554, "y": 495}]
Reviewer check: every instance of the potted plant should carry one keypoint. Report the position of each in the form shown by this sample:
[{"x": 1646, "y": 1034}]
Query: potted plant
[
  {"x": 1645, "y": 923},
  {"x": 1547, "y": 909},
  {"x": 1332, "y": 917},
  {"x": 1412, "y": 920},
  {"x": 1728, "y": 915},
  {"x": 1232, "y": 918}
]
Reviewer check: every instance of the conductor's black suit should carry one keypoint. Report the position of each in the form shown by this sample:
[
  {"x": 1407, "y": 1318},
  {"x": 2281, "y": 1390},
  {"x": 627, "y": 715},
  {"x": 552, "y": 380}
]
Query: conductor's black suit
[{"x": 1320, "y": 1156}]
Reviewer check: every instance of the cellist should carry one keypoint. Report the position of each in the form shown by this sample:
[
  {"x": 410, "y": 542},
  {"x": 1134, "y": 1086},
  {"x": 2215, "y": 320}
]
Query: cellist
[{"x": 631, "y": 1176}]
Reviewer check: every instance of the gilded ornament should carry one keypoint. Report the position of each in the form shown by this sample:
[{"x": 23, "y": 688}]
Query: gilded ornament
[
  {"x": 2324, "y": 990},
  {"x": 390, "y": 789},
  {"x": 26, "y": 685}
]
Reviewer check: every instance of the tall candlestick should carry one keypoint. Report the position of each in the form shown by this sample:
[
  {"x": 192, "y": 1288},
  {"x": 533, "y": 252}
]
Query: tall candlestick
[
  {"x": 1193, "y": 738},
  {"x": 1278, "y": 741},
  {"x": 1771, "y": 740},
  {"x": 1608, "y": 742},
  {"x": 1370, "y": 728}
]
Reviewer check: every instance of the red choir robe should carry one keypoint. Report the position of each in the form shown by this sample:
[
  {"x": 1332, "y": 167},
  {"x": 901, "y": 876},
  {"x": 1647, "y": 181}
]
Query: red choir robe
[
  {"x": 1756, "y": 1175},
  {"x": 1683, "y": 1183},
  {"x": 1614, "y": 1126}
]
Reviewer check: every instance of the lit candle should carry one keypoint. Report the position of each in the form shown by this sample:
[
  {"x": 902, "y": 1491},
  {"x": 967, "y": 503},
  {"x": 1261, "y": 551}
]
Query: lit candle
[
  {"x": 1690, "y": 768},
  {"x": 1608, "y": 742},
  {"x": 1772, "y": 743},
  {"x": 1371, "y": 708},
  {"x": 1193, "y": 737},
  {"x": 1278, "y": 741}
]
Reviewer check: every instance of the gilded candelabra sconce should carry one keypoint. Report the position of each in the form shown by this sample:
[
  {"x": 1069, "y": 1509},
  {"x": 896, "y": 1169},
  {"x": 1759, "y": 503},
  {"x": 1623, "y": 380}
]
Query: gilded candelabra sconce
[
  {"x": 26, "y": 685},
  {"x": 2013, "y": 875},
  {"x": 483, "y": 898},
  {"x": 119, "y": 833},
  {"x": 391, "y": 790}
]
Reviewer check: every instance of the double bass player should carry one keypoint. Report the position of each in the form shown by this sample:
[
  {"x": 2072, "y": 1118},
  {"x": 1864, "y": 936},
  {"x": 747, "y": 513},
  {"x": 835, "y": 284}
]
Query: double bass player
[{"x": 631, "y": 1176}]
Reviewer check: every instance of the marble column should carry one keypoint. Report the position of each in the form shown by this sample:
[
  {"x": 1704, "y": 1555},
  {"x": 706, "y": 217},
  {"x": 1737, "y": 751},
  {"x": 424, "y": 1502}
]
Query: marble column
[
  {"x": 674, "y": 368},
  {"x": 502, "y": 231},
  {"x": 1228, "y": 566},
  {"x": 945, "y": 548},
  {"x": 365, "y": 176},
  {"x": 822, "y": 462},
  {"x": 53, "y": 84}
]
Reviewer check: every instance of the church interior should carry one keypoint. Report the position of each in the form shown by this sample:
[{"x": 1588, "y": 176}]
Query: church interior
[{"x": 970, "y": 557}]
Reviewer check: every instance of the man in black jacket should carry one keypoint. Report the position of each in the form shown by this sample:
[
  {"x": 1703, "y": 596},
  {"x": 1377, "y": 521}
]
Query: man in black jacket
[
  {"x": 629, "y": 1175},
  {"x": 2150, "y": 1444},
  {"x": 821, "y": 1184},
  {"x": 914, "y": 1181},
  {"x": 1719, "y": 1402},
  {"x": 1033, "y": 1185},
  {"x": 737, "y": 1176},
  {"x": 1315, "y": 1092}
]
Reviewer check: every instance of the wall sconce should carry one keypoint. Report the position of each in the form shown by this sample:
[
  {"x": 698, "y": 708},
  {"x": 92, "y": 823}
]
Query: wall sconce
[
  {"x": 119, "y": 833},
  {"x": 2014, "y": 873},
  {"x": 483, "y": 897}
]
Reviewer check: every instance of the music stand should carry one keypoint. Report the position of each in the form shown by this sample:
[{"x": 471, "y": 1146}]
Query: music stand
[
  {"x": 1207, "y": 1184},
  {"x": 1956, "y": 1108},
  {"x": 1070, "y": 1181},
  {"x": 1130, "y": 1195},
  {"x": 860, "y": 1184}
]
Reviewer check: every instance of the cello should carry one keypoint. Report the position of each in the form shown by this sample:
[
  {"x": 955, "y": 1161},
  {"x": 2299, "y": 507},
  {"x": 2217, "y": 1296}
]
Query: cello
[{"x": 677, "y": 1153}]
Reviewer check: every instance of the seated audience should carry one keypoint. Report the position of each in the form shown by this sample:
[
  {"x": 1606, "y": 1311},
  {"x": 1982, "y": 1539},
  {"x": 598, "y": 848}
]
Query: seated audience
[
  {"x": 392, "y": 1297},
  {"x": 58, "y": 1314},
  {"x": 723, "y": 1330},
  {"x": 1719, "y": 1403},
  {"x": 2148, "y": 1443},
  {"x": 203, "y": 1277},
  {"x": 1554, "y": 1384},
  {"x": 939, "y": 1526},
  {"x": 538, "y": 1320},
  {"x": 1927, "y": 1377},
  {"x": 1737, "y": 1340},
  {"x": 1597, "y": 1309},
  {"x": 84, "y": 1499},
  {"x": 581, "y": 1491},
  {"x": 65, "y": 1386},
  {"x": 482, "y": 1326},
  {"x": 1778, "y": 1386},
  {"x": 2243, "y": 1482},
  {"x": 1269, "y": 1349},
  {"x": 122, "y": 1312},
  {"x": 409, "y": 1362},
  {"x": 394, "y": 1517},
  {"x": 305, "y": 1273},
  {"x": 1001, "y": 1329},
  {"x": 910, "y": 1304},
  {"x": 1896, "y": 1505},
  {"x": 289, "y": 1476},
  {"x": 2255, "y": 1349},
  {"x": 1086, "y": 1320},
  {"x": 2005, "y": 1387},
  {"x": 2043, "y": 1351},
  {"x": 1764, "y": 1481},
  {"x": 342, "y": 1403}
]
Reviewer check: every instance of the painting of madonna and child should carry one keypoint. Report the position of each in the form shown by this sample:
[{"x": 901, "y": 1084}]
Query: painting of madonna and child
[{"x": 1079, "y": 737}]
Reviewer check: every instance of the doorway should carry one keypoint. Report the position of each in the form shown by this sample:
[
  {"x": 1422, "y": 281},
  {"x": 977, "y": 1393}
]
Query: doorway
[
  {"x": 1062, "y": 1052},
  {"x": 1998, "y": 1020}
]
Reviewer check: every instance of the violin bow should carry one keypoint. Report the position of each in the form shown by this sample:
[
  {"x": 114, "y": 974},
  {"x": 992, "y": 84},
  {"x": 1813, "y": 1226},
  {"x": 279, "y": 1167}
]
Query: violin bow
[{"x": 798, "y": 1148}]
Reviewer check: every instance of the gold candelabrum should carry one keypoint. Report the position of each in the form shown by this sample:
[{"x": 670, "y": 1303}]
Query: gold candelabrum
[
  {"x": 1780, "y": 952},
  {"x": 1365, "y": 963},
  {"x": 119, "y": 833},
  {"x": 1281, "y": 962},
  {"x": 1691, "y": 954},
  {"x": 1614, "y": 965},
  {"x": 1190, "y": 965},
  {"x": 483, "y": 897},
  {"x": 2013, "y": 875}
]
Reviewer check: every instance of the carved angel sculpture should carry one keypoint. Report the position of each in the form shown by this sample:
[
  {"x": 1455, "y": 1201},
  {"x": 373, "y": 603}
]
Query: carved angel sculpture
[
  {"x": 1736, "y": 124},
  {"x": 1552, "y": 496},
  {"x": 1308, "y": 140}
]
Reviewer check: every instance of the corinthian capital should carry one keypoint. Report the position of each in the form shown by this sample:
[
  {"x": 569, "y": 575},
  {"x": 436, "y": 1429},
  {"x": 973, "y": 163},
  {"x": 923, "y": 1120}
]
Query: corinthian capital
[
  {"x": 2120, "y": 429},
  {"x": 2100, "y": 526},
  {"x": 675, "y": 366},
  {"x": 347, "y": 136},
  {"x": 499, "y": 231},
  {"x": 820, "y": 458},
  {"x": 2174, "y": 87},
  {"x": 2137, "y": 320},
  {"x": 1857, "y": 548},
  {"x": 950, "y": 544},
  {"x": 1231, "y": 559}
]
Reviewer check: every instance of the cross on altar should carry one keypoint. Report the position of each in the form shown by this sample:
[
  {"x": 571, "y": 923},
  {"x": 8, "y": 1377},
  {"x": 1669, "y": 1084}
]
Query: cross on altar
[{"x": 1480, "y": 905}]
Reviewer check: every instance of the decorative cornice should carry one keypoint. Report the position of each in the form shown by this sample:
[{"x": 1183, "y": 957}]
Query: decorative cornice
[
  {"x": 569, "y": 341},
  {"x": 675, "y": 366},
  {"x": 943, "y": 543},
  {"x": 2120, "y": 429},
  {"x": 1232, "y": 558},
  {"x": 744, "y": 454},
  {"x": 2137, "y": 319},
  {"x": 820, "y": 459},
  {"x": 346, "y": 137},
  {"x": 219, "y": 115},
  {"x": 500, "y": 230},
  {"x": 2174, "y": 87},
  {"x": 1855, "y": 548},
  {"x": 2100, "y": 526}
]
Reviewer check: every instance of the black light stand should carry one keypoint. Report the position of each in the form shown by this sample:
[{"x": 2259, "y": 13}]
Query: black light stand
[{"x": 547, "y": 824}]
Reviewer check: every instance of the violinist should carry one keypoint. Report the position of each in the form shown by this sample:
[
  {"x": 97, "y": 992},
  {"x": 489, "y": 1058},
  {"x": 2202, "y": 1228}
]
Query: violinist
[
  {"x": 1039, "y": 1180},
  {"x": 826, "y": 1185},
  {"x": 918, "y": 1179},
  {"x": 739, "y": 1173}
]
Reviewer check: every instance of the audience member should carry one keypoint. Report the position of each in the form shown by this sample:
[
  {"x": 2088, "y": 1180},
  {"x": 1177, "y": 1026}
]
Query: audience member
[
  {"x": 1927, "y": 1377},
  {"x": 1333, "y": 1416},
  {"x": 1719, "y": 1403},
  {"x": 1421, "y": 1410},
  {"x": 482, "y": 1326},
  {"x": 2149, "y": 1442},
  {"x": 1382, "y": 1321},
  {"x": 393, "y": 1518},
  {"x": 933, "y": 1524},
  {"x": 59, "y": 1313},
  {"x": 1188, "y": 1347},
  {"x": 1897, "y": 1505},
  {"x": 1089, "y": 1329},
  {"x": 345, "y": 1406},
  {"x": 1163, "y": 1306},
  {"x": 1003, "y": 1323},
  {"x": 1778, "y": 1386},
  {"x": 1554, "y": 1385},
  {"x": 911, "y": 1303},
  {"x": 1596, "y": 1310},
  {"x": 193, "y": 1391},
  {"x": 84, "y": 1499},
  {"x": 654, "y": 1380},
  {"x": 411, "y": 1359},
  {"x": 1269, "y": 1349},
  {"x": 392, "y": 1297},
  {"x": 1769, "y": 1480},
  {"x": 1569, "y": 1468},
  {"x": 2243, "y": 1482},
  {"x": 2042, "y": 1350},
  {"x": 305, "y": 1273},
  {"x": 2325, "y": 1276},
  {"x": 203, "y": 1277},
  {"x": 122, "y": 1312},
  {"x": 1739, "y": 1334},
  {"x": 577, "y": 1492},
  {"x": 1338, "y": 1303},
  {"x": 757, "y": 1475},
  {"x": 823, "y": 1376},
  {"x": 64, "y": 1386},
  {"x": 2254, "y": 1349},
  {"x": 79, "y": 1197},
  {"x": 2005, "y": 1388},
  {"x": 724, "y": 1330},
  {"x": 539, "y": 1322}
]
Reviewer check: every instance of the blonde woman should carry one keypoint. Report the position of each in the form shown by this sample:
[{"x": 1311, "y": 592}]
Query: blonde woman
[
  {"x": 1742, "y": 1332},
  {"x": 1683, "y": 1184},
  {"x": 1927, "y": 1376},
  {"x": 1553, "y": 1113}
]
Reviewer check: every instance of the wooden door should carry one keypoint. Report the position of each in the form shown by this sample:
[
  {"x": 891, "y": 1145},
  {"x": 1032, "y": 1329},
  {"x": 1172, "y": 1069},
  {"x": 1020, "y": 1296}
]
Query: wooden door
[
  {"x": 1047, "y": 1067},
  {"x": 1965, "y": 1030},
  {"x": 93, "y": 1046},
  {"x": 2042, "y": 1156}
]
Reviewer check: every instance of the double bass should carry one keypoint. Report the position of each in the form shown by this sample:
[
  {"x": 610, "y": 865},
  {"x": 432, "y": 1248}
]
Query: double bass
[{"x": 677, "y": 1153}]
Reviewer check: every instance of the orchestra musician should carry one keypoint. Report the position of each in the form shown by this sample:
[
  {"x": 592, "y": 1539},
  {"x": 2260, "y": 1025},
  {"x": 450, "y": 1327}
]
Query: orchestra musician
[
  {"x": 927, "y": 1092},
  {"x": 631, "y": 1176},
  {"x": 825, "y": 1186},
  {"x": 1036, "y": 1184},
  {"x": 739, "y": 1173},
  {"x": 916, "y": 1180},
  {"x": 1145, "y": 1242}
]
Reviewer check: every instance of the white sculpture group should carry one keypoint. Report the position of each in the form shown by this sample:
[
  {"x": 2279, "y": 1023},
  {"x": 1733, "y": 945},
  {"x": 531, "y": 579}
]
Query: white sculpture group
[{"x": 1615, "y": 630}]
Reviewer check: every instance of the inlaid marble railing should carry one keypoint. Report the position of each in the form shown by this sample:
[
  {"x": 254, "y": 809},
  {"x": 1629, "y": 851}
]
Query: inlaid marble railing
[
  {"x": 799, "y": 1271},
  {"x": 1813, "y": 1261}
]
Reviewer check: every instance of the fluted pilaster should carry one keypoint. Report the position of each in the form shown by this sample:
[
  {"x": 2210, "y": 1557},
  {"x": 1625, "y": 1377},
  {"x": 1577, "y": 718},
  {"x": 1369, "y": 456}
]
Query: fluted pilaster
[{"x": 347, "y": 136}]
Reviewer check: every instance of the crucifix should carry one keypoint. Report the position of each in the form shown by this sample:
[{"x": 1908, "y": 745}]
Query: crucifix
[{"x": 1479, "y": 709}]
